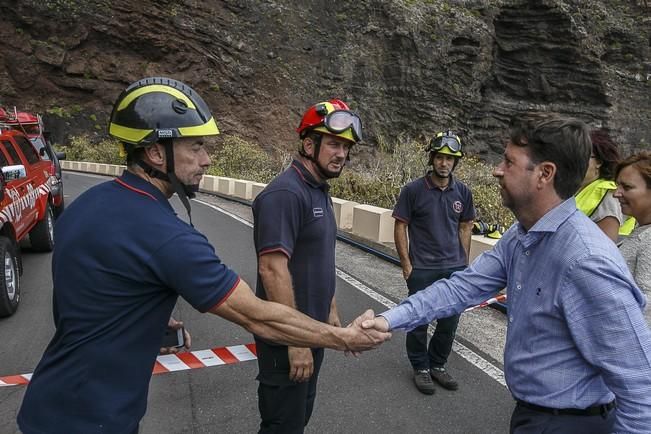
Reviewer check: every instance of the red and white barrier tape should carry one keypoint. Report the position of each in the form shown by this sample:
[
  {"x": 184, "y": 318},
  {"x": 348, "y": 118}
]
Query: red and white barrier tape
[
  {"x": 203, "y": 358},
  {"x": 497, "y": 299},
  {"x": 175, "y": 362}
]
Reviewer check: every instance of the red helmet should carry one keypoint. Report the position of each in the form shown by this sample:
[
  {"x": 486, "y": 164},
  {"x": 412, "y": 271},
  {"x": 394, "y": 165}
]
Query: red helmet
[{"x": 331, "y": 117}]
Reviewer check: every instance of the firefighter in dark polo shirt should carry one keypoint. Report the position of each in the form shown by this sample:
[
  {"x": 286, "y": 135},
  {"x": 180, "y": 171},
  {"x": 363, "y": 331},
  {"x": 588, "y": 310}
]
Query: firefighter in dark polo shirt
[
  {"x": 295, "y": 234},
  {"x": 437, "y": 210}
]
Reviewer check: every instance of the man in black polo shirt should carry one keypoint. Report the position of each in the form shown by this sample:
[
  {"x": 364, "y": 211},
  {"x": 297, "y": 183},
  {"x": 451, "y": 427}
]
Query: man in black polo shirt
[
  {"x": 295, "y": 235},
  {"x": 438, "y": 211}
]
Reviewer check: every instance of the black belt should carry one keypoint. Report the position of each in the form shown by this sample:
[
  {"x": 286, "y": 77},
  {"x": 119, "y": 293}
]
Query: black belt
[{"x": 597, "y": 410}]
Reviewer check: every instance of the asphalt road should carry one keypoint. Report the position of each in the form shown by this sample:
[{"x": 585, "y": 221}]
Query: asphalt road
[{"x": 374, "y": 393}]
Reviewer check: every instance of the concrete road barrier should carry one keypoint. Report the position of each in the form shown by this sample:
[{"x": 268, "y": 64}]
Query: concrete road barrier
[
  {"x": 480, "y": 244},
  {"x": 243, "y": 189},
  {"x": 344, "y": 213},
  {"x": 373, "y": 223},
  {"x": 256, "y": 189},
  {"x": 225, "y": 185},
  {"x": 208, "y": 183}
]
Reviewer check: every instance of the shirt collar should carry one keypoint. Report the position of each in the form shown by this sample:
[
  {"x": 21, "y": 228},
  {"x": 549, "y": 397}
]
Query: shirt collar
[
  {"x": 430, "y": 185},
  {"x": 551, "y": 221},
  {"x": 307, "y": 177},
  {"x": 139, "y": 185}
]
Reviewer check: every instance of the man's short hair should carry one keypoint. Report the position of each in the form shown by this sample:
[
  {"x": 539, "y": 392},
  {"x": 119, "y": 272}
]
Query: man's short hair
[
  {"x": 560, "y": 140},
  {"x": 134, "y": 154}
]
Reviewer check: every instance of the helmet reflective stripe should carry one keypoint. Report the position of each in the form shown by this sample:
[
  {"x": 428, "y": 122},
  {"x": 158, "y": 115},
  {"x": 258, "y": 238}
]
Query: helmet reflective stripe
[
  {"x": 207, "y": 129},
  {"x": 329, "y": 107},
  {"x": 129, "y": 135},
  {"x": 447, "y": 151},
  {"x": 155, "y": 88},
  {"x": 348, "y": 134}
]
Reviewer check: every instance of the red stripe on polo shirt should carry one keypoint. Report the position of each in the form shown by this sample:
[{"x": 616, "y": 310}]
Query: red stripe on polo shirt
[
  {"x": 299, "y": 172},
  {"x": 137, "y": 190},
  {"x": 273, "y": 250},
  {"x": 225, "y": 297}
]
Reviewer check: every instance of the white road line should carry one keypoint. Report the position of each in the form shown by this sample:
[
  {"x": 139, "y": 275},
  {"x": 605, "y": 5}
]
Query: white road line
[{"x": 470, "y": 356}]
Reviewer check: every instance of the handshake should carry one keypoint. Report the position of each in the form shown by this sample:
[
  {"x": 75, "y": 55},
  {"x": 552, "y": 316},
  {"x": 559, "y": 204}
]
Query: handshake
[{"x": 366, "y": 332}]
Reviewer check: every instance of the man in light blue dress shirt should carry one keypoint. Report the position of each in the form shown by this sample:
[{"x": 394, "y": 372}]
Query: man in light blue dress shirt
[{"x": 578, "y": 351}]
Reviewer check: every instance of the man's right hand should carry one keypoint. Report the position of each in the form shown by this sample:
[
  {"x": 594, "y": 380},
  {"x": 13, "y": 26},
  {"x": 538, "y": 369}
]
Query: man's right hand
[
  {"x": 362, "y": 338},
  {"x": 406, "y": 271},
  {"x": 301, "y": 364}
]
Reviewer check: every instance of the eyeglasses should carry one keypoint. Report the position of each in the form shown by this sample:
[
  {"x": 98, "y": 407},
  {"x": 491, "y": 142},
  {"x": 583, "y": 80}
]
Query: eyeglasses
[
  {"x": 339, "y": 121},
  {"x": 450, "y": 141}
]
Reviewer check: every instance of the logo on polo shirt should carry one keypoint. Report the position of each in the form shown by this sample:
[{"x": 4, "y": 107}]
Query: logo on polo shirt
[
  {"x": 318, "y": 212},
  {"x": 457, "y": 206}
]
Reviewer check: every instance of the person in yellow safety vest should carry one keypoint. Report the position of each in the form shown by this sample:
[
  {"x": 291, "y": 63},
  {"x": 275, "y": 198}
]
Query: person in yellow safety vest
[{"x": 595, "y": 196}]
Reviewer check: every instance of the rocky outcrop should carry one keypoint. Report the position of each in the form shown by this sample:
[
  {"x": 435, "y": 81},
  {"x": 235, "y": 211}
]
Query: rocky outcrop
[{"x": 409, "y": 67}]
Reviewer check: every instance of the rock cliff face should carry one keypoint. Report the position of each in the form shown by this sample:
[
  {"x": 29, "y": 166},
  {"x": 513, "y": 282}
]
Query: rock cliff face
[{"x": 409, "y": 67}]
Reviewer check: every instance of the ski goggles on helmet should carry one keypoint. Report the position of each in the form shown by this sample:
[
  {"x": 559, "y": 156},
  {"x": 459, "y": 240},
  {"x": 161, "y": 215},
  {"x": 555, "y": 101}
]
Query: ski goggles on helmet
[
  {"x": 451, "y": 141},
  {"x": 340, "y": 120}
]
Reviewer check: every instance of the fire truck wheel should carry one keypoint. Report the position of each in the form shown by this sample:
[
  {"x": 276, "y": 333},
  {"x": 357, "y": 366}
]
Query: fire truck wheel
[
  {"x": 42, "y": 235},
  {"x": 10, "y": 282}
]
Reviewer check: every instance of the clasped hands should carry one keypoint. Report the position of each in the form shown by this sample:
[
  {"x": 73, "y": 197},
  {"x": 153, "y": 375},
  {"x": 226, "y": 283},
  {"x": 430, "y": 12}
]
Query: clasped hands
[{"x": 369, "y": 333}]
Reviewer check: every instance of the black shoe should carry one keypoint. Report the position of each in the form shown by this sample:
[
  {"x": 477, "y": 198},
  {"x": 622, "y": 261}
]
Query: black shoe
[
  {"x": 441, "y": 376},
  {"x": 423, "y": 381}
]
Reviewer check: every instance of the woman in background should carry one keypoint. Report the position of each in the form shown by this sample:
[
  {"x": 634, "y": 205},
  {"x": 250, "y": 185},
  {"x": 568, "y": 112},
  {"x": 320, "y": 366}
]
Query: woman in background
[
  {"x": 595, "y": 196},
  {"x": 634, "y": 194}
]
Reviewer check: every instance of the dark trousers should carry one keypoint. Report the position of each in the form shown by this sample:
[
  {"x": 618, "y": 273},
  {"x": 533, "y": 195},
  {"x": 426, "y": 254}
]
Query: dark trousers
[
  {"x": 434, "y": 355},
  {"x": 527, "y": 421},
  {"x": 285, "y": 406}
]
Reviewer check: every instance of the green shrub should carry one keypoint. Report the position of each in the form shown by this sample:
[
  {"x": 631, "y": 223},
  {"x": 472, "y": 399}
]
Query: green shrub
[
  {"x": 485, "y": 191},
  {"x": 378, "y": 181},
  {"x": 240, "y": 159},
  {"x": 81, "y": 148},
  {"x": 375, "y": 181}
]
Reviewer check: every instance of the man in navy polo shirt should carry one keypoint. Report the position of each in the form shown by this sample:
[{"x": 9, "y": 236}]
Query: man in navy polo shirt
[
  {"x": 295, "y": 235},
  {"x": 121, "y": 260},
  {"x": 438, "y": 211}
]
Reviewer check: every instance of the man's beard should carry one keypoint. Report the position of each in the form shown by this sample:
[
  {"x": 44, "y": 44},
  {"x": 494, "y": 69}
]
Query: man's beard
[
  {"x": 438, "y": 175},
  {"x": 329, "y": 174}
]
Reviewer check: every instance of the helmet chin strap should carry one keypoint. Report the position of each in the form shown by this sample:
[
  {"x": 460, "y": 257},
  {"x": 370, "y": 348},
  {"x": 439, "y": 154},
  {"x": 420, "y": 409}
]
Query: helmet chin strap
[
  {"x": 185, "y": 192},
  {"x": 325, "y": 174}
]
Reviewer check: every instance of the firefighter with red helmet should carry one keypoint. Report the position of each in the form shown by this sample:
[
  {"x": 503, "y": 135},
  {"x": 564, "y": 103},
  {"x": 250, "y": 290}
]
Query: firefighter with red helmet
[{"x": 295, "y": 234}]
